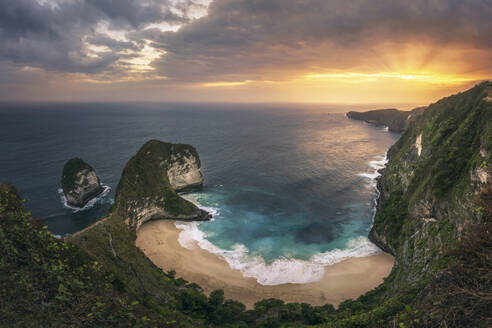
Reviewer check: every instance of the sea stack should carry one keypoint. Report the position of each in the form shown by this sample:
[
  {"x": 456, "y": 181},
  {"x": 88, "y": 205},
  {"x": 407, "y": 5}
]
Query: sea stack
[
  {"x": 80, "y": 183},
  {"x": 150, "y": 179}
]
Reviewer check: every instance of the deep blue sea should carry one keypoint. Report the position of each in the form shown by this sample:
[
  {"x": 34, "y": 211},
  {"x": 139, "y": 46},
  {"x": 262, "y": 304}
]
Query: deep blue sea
[{"x": 291, "y": 187}]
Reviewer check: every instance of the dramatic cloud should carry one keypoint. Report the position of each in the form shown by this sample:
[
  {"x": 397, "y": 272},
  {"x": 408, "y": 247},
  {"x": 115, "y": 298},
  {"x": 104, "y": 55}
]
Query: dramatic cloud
[
  {"x": 176, "y": 47},
  {"x": 241, "y": 39},
  {"x": 84, "y": 36}
]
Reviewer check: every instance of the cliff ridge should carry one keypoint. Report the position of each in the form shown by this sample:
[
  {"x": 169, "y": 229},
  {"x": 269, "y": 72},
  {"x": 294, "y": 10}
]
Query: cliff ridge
[{"x": 396, "y": 120}]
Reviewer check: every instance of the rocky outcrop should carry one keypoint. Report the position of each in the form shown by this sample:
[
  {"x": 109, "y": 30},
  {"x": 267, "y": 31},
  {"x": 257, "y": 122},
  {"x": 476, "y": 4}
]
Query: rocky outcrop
[
  {"x": 429, "y": 187},
  {"x": 150, "y": 179},
  {"x": 396, "y": 120},
  {"x": 183, "y": 170},
  {"x": 80, "y": 183}
]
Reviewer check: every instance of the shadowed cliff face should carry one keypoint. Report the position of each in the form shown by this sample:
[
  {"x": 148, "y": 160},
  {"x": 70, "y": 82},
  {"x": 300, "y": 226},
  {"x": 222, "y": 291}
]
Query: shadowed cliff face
[
  {"x": 79, "y": 182},
  {"x": 147, "y": 189},
  {"x": 429, "y": 186},
  {"x": 396, "y": 120}
]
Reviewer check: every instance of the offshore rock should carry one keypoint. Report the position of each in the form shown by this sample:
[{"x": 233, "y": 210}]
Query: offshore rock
[{"x": 80, "y": 183}]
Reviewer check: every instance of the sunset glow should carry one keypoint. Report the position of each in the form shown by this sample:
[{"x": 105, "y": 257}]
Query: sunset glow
[
  {"x": 229, "y": 51},
  {"x": 368, "y": 77},
  {"x": 224, "y": 84}
]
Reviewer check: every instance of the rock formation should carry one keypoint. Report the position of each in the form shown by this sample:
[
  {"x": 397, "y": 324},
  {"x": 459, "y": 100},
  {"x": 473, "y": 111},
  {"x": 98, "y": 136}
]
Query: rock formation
[
  {"x": 150, "y": 179},
  {"x": 79, "y": 182}
]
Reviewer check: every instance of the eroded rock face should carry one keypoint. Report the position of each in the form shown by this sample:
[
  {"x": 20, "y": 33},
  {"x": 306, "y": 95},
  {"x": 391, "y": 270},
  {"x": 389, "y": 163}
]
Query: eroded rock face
[
  {"x": 80, "y": 183},
  {"x": 148, "y": 185},
  {"x": 418, "y": 144},
  {"x": 184, "y": 172}
]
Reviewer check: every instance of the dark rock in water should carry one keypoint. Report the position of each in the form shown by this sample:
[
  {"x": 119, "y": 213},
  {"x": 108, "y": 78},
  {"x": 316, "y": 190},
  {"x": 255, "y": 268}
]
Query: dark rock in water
[
  {"x": 150, "y": 179},
  {"x": 396, "y": 120},
  {"x": 80, "y": 183}
]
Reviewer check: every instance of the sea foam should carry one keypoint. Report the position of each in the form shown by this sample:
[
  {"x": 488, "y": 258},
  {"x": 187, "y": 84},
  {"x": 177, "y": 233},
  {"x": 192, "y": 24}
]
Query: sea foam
[
  {"x": 376, "y": 165},
  {"x": 90, "y": 204},
  {"x": 280, "y": 271}
]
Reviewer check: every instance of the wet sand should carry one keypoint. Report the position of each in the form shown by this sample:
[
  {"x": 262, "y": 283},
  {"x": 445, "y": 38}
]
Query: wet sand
[{"x": 348, "y": 279}]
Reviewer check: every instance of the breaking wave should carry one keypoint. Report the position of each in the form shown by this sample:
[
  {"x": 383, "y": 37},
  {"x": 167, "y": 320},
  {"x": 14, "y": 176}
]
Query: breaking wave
[
  {"x": 280, "y": 271},
  {"x": 90, "y": 204},
  {"x": 376, "y": 165}
]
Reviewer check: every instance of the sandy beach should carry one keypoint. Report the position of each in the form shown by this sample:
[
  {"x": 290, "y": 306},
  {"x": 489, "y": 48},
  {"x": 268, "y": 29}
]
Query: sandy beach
[{"x": 348, "y": 279}]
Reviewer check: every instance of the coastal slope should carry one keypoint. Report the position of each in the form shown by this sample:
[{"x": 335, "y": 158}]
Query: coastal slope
[
  {"x": 431, "y": 194},
  {"x": 48, "y": 282}
]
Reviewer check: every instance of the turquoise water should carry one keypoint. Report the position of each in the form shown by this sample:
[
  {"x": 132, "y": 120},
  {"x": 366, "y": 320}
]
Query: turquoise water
[
  {"x": 276, "y": 234},
  {"x": 291, "y": 187}
]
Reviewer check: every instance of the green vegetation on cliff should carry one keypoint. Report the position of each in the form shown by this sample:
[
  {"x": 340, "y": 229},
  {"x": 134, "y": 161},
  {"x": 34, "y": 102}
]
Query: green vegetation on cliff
[
  {"x": 46, "y": 282},
  {"x": 70, "y": 171},
  {"x": 429, "y": 184},
  {"x": 144, "y": 184},
  {"x": 430, "y": 189}
]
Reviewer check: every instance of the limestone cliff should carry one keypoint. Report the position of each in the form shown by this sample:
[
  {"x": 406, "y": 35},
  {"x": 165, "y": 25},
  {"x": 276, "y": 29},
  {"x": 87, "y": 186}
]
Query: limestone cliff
[
  {"x": 429, "y": 187},
  {"x": 183, "y": 170},
  {"x": 396, "y": 120},
  {"x": 79, "y": 182},
  {"x": 150, "y": 179}
]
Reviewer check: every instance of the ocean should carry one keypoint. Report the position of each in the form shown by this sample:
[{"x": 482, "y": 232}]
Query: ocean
[{"x": 291, "y": 187}]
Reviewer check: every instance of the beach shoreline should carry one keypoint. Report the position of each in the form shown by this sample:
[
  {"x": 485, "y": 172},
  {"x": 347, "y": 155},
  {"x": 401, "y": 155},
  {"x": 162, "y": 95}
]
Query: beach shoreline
[{"x": 344, "y": 280}]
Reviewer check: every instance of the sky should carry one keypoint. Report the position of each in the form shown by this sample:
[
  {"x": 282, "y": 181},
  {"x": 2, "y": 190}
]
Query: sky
[{"x": 299, "y": 51}]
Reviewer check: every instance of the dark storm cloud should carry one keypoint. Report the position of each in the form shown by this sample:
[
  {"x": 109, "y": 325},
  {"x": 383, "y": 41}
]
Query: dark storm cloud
[
  {"x": 238, "y": 39},
  {"x": 53, "y": 34},
  {"x": 99, "y": 39},
  {"x": 134, "y": 12},
  {"x": 257, "y": 36}
]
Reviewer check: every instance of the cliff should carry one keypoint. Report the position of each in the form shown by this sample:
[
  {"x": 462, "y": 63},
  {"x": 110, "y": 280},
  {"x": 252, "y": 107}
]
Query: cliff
[
  {"x": 150, "y": 179},
  {"x": 396, "y": 120},
  {"x": 431, "y": 187},
  {"x": 79, "y": 182}
]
